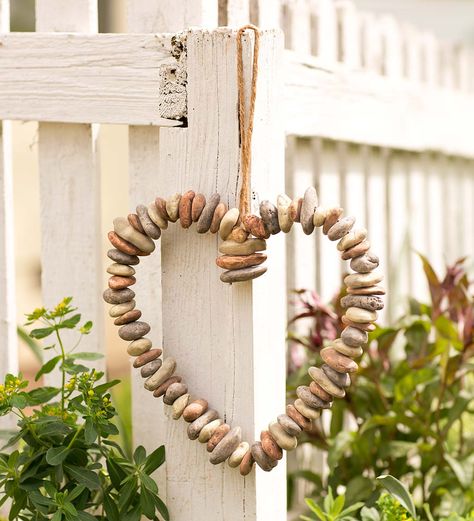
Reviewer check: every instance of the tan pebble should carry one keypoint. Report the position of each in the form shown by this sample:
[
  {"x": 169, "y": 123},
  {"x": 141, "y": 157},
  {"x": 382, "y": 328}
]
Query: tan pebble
[
  {"x": 351, "y": 239},
  {"x": 149, "y": 227},
  {"x": 283, "y": 207},
  {"x": 284, "y": 440},
  {"x": 310, "y": 202},
  {"x": 226, "y": 446},
  {"x": 341, "y": 228},
  {"x": 219, "y": 213},
  {"x": 246, "y": 465},
  {"x": 361, "y": 315},
  {"x": 198, "y": 424},
  {"x": 228, "y": 222},
  {"x": 205, "y": 219},
  {"x": 319, "y": 391},
  {"x": 243, "y": 274},
  {"x": 195, "y": 409},
  {"x": 235, "y": 459},
  {"x": 163, "y": 373},
  {"x": 128, "y": 317},
  {"x": 255, "y": 226},
  {"x": 294, "y": 210},
  {"x": 370, "y": 302},
  {"x": 149, "y": 356},
  {"x": 270, "y": 446},
  {"x": 134, "y": 330},
  {"x": 340, "y": 379},
  {"x": 319, "y": 216},
  {"x": 289, "y": 425},
  {"x": 124, "y": 246},
  {"x": 238, "y": 234},
  {"x": 356, "y": 251},
  {"x": 161, "y": 389},
  {"x": 172, "y": 207},
  {"x": 160, "y": 204},
  {"x": 261, "y": 457},
  {"x": 308, "y": 412},
  {"x": 150, "y": 368},
  {"x": 118, "y": 296},
  {"x": 363, "y": 280},
  {"x": 157, "y": 216},
  {"x": 369, "y": 290},
  {"x": 332, "y": 217},
  {"x": 120, "y": 269},
  {"x": 344, "y": 349},
  {"x": 340, "y": 363},
  {"x": 174, "y": 391},
  {"x": 139, "y": 347},
  {"x": 118, "y": 282},
  {"x": 354, "y": 337},
  {"x": 236, "y": 262},
  {"x": 209, "y": 429},
  {"x": 123, "y": 229},
  {"x": 304, "y": 393},
  {"x": 120, "y": 309},
  {"x": 218, "y": 435},
  {"x": 298, "y": 418},
  {"x": 245, "y": 248},
  {"x": 122, "y": 258},
  {"x": 199, "y": 202},
  {"x": 366, "y": 326},
  {"x": 185, "y": 209},
  {"x": 179, "y": 405},
  {"x": 135, "y": 222},
  {"x": 365, "y": 263},
  {"x": 320, "y": 377},
  {"x": 269, "y": 214}
]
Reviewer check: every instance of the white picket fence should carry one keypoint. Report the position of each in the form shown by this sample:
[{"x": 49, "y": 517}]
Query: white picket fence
[{"x": 379, "y": 116}]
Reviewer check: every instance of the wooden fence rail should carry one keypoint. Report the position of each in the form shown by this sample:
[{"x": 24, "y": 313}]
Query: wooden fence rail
[{"x": 376, "y": 114}]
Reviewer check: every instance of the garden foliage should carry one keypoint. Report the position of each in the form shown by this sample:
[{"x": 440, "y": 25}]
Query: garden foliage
[
  {"x": 61, "y": 463},
  {"x": 410, "y": 410}
]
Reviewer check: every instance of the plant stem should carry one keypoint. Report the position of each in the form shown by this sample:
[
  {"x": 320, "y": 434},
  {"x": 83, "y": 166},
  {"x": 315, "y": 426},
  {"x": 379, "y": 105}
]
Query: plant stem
[
  {"x": 74, "y": 438},
  {"x": 63, "y": 372}
]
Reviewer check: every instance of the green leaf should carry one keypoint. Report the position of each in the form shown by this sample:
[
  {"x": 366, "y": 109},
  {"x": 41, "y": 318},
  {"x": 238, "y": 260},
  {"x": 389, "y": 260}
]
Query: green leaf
[
  {"x": 111, "y": 508},
  {"x": 90, "y": 432},
  {"x": 460, "y": 472},
  {"x": 86, "y": 328},
  {"x": 116, "y": 473},
  {"x": 161, "y": 507},
  {"x": 148, "y": 483},
  {"x": 83, "y": 476},
  {"x": 369, "y": 514},
  {"x": 399, "y": 492},
  {"x": 85, "y": 516},
  {"x": 316, "y": 509},
  {"x": 146, "y": 503},
  {"x": 47, "y": 367},
  {"x": 57, "y": 516},
  {"x": 85, "y": 356},
  {"x": 19, "y": 401},
  {"x": 70, "y": 323},
  {"x": 41, "y": 332},
  {"x": 56, "y": 455},
  {"x": 42, "y": 395},
  {"x": 99, "y": 389},
  {"x": 76, "y": 492},
  {"x": 338, "y": 505},
  {"x": 155, "y": 460},
  {"x": 139, "y": 455},
  {"x": 352, "y": 508}
]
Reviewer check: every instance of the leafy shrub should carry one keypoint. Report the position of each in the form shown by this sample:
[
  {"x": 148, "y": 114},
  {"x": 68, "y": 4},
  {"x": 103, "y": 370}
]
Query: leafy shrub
[
  {"x": 66, "y": 466},
  {"x": 410, "y": 411}
]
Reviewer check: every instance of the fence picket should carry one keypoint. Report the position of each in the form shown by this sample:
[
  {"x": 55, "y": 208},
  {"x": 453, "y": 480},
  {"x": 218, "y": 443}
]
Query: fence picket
[
  {"x": 348, "y": 33},
  {"x": 8, "y": 340},
  {"x": 70, "y": 194}
]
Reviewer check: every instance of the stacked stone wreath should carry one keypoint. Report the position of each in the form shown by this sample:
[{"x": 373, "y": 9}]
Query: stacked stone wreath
[{"x": 243, "y": 241}]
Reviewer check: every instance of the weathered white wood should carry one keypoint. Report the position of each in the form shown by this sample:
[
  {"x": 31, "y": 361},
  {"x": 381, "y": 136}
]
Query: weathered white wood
[
  {"x": 349, "y": 33},
  {"x": 224, "y": 337},
  {"x": 266, "y": 14},
  {"x": 430, "y": 59},
  {"x": 467, "y": 219},
  {"x": 70, "y": 200},
  {"x": 371, "y": 43},
  {"x": 234, "y": 13},
  {"x": 361, "y": 107},
  {"x": 80, "y": 78},
  {"x": 158, "y": 16},
  {"x": 436, "y": 212},
  {"x": 392, "y": 62},
  {"x": 299, "y": 26},
  {"x": 67, "y": 16},
  {"x": 8, "y": 340},
  {"x": 326, "y": 30}
]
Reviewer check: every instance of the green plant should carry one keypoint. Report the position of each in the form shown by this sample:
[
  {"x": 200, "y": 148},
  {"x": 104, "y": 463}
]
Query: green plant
[
  {"x": 66, "y": 466},
  {"x": 332, "y": 509},
  {"x": 410, "y": 410}
]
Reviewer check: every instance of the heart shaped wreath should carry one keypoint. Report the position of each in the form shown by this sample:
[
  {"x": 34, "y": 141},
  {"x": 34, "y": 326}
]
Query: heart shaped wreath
[{"x": 244, "y": 237}]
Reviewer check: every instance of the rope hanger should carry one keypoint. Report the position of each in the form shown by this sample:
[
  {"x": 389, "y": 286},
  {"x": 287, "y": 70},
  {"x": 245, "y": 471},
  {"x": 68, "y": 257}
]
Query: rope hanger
[{"x": 246, "y": 131}]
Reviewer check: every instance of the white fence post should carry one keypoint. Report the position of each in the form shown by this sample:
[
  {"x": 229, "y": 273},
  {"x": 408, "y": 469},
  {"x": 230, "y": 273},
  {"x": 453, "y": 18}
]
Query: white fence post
[
  {"x": 70, "y": 193},
  {"x": 8, "y": 340},
  {"x": 228, "y": 340}
]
